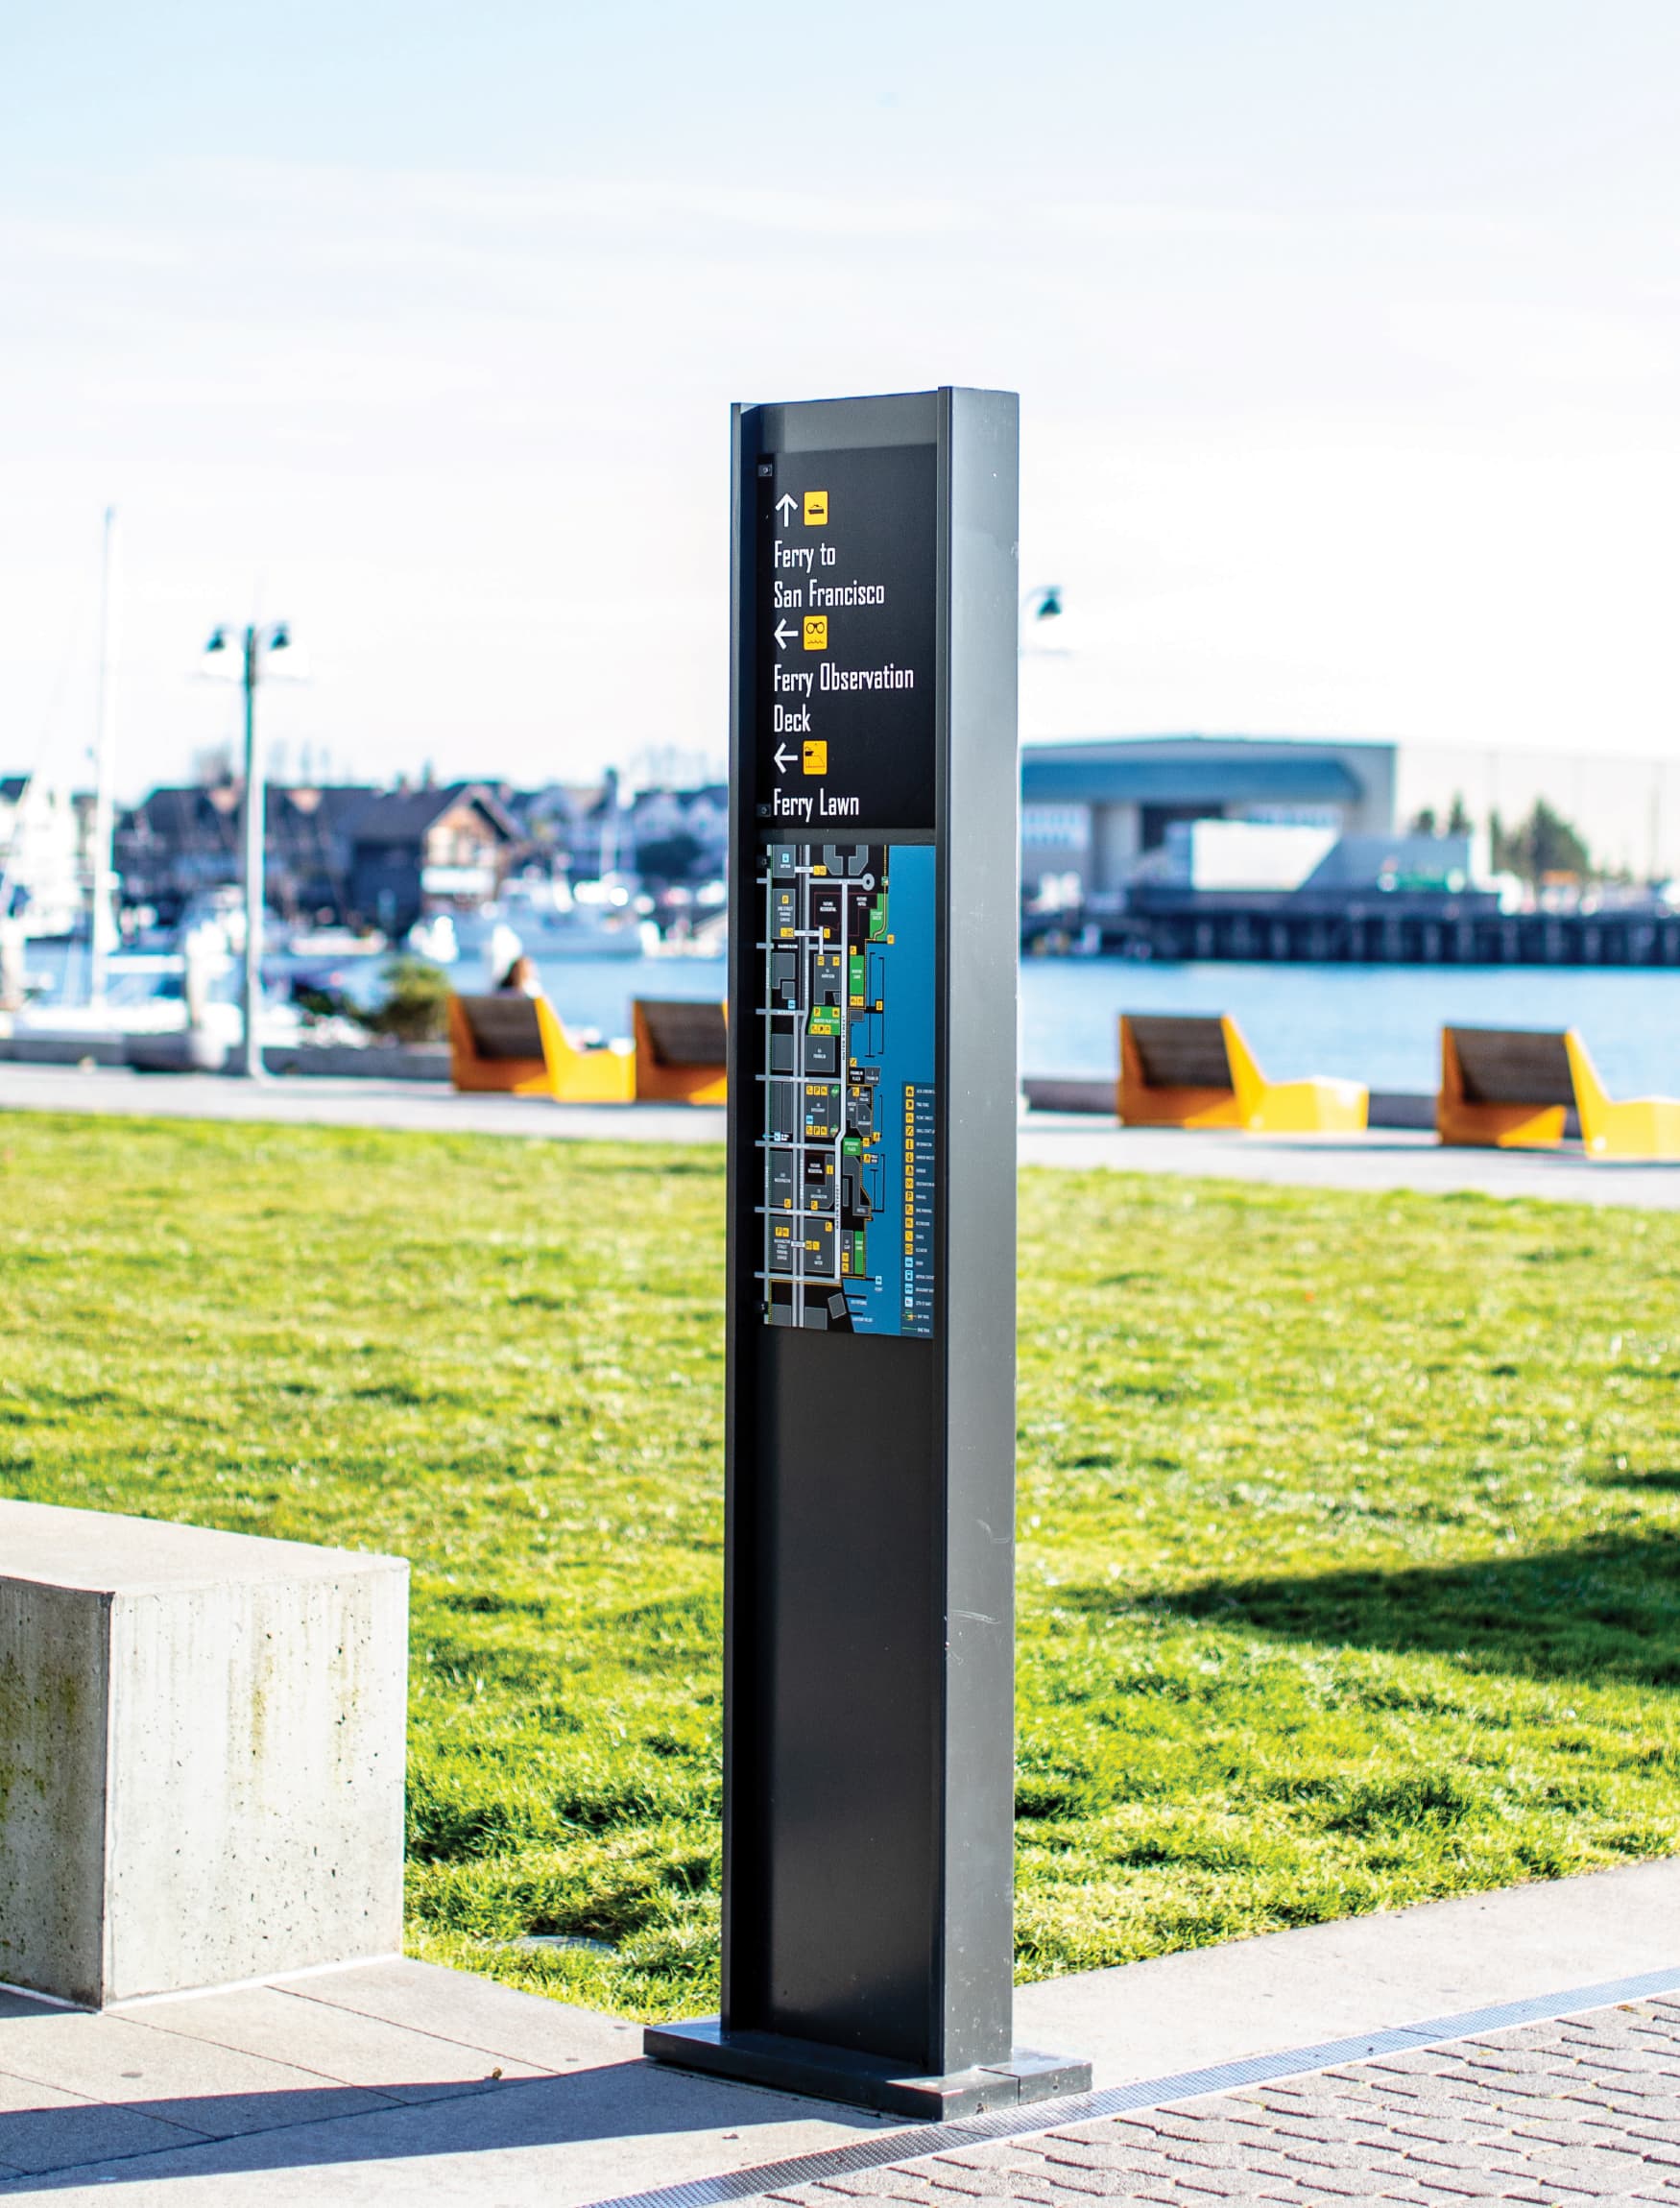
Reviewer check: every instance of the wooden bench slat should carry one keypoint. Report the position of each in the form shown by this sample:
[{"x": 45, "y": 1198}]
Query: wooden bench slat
[
  {"x": 503, "y": 1026},
  {"x": 1513, "y": 1065},
  {"x": 1181, "y": 1050},
  {"x": 684, "y": 1032}
]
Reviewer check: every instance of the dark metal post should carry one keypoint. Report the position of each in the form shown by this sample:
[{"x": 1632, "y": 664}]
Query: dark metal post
[{"x": 869, "y": 1742}]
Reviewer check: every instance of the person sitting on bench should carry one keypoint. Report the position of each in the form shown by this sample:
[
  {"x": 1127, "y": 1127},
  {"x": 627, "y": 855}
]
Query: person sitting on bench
[{"x": 521, "y": 979}]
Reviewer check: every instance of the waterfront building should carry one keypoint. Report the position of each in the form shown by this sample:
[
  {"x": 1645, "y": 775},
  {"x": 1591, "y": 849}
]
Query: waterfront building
[{"x": 1098, "y": 811}]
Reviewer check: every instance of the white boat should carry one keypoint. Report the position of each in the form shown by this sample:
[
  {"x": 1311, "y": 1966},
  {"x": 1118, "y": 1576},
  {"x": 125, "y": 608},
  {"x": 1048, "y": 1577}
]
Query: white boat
[
  {"x": 543, "y": 918},
  {"x": 146, "y": 998}
]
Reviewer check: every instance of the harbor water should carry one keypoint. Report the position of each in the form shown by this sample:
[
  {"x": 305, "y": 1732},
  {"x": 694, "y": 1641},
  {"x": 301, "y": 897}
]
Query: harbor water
[
  {"x": 1378, "y": 1024},
  {"x": 1375, "y": 1024}
]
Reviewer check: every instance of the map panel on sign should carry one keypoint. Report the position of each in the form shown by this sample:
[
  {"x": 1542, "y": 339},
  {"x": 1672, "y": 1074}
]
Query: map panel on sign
[
  {"x": 846, "y": 1089},
  {"x": 845, "y": 641}
]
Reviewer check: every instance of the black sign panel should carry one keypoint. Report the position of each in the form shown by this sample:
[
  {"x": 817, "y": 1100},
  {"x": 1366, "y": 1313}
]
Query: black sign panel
[
  {"x": 846, "y": 641},
  {"x": 867, "y": 1762}
]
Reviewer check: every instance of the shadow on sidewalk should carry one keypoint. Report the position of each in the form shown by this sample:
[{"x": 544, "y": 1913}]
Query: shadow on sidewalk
[
  {"x": 1606, "y": 1609},
  {"x": 55, "y": 2147}
]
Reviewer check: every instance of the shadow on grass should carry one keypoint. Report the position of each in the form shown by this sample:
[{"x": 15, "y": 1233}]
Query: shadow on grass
[{"x": 1606, "y": 1609}]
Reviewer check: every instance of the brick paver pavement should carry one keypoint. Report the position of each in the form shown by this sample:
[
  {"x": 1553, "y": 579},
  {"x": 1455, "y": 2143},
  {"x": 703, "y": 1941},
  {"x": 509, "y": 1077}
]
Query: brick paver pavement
[{"x": 1584, "y": 2109}]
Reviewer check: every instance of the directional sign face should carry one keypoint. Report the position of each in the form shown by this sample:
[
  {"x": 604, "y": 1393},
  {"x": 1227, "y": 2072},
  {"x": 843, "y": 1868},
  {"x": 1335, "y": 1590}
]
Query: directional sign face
[
  {"x": 846, "y": 641},
  {"x": 845, "y": 741}
]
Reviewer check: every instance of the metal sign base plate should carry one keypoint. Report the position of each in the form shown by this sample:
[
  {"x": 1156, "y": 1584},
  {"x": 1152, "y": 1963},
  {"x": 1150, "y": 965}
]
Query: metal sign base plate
[{"x": 862, "y": 2080}]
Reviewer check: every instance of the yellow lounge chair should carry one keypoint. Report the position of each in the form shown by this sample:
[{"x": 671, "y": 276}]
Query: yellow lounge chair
[
  {"x": 1196, "y": 1070},
  {"x": 1638, "y": 1127},
  {"x": 680, "y": 1050},
  {"x": 516, "y": 1046},
  {"x": 1512, "y": 1089}
]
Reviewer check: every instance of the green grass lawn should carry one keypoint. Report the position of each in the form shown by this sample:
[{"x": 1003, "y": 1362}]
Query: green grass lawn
[{"x": 1350, "y": 1525}]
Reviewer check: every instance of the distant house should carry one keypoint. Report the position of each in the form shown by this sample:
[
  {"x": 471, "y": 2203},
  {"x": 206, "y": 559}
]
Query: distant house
[
  {"x": 562, "y": 825},
  {"x": 681, "y": 836},
  {"x": 178, "y": 843},
  {"x": 418, "y": 850},
  {"x": 343, "y": 851}
]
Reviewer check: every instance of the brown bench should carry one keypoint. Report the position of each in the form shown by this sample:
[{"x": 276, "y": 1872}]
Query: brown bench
[
  {"x": 1509, "y": 1087},
  {"x": 682, "y": 1050},
  {"x": 1525, "y": 1088},
  {"x": 515, "y": 1045},
  {"x": 1194, "y": 1069}
]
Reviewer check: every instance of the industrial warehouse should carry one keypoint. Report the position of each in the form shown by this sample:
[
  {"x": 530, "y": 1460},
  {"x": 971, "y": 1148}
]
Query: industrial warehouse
[{"x": 1288, "y": 848}]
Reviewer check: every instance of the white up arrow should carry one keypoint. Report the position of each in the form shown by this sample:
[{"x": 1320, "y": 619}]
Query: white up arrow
[
  {"x": 788, "y": 500},
  {"x": 783, "y": 635},
  {"x": 784, "y": 759}
]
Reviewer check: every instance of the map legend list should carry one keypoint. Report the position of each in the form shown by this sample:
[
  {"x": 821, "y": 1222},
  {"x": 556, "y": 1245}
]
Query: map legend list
[{"x": 918, "y": 1112}]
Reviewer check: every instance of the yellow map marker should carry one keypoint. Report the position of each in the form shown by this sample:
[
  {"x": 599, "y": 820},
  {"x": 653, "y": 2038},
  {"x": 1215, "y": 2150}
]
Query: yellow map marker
[
  {"x": 814, "y": 760},
  {"x": 816, "y": 509},
  {"x": 816, "y": 632}
]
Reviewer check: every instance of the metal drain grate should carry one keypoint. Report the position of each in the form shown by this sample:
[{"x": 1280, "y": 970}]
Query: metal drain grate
[{"x": 917, "y": 2143}]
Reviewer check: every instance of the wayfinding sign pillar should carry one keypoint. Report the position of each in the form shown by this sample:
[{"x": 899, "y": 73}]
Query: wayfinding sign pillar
[{"x": 869, "y": 1669}]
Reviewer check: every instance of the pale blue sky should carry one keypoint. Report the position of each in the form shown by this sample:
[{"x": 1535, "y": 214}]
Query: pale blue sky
[{"x": 1347, "y": 341}]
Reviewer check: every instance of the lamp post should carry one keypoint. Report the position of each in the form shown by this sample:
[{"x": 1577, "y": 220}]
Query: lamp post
[
  {"x": 254, "y": 646},
  {"x": 101, "y": 929}
]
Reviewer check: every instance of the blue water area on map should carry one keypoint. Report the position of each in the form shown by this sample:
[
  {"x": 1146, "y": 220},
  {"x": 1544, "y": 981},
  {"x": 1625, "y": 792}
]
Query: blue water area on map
[{"x": 894, "y": 1296}]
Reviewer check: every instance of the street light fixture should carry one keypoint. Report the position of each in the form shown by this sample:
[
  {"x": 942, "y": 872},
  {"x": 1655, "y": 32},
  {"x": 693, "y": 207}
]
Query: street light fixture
[
  {"x": 243, "y": 655},
  {"x": 1041, "y": 602}
]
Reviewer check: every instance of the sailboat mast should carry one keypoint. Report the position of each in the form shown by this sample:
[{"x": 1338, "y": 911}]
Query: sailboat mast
[{"x": 102, "y": 927}]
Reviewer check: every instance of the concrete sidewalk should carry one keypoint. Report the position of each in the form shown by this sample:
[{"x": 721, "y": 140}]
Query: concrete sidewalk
[
  {"x": 395, "y": 2082},
  {"x": 1385, "y": 1159},
  {"x": 406, "y": 1107}
]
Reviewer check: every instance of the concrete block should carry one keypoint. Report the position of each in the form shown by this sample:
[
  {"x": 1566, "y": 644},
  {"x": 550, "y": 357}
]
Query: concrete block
[
  {"x": 376, "y": 1061},
  {"x": 200, "y": 1755}
]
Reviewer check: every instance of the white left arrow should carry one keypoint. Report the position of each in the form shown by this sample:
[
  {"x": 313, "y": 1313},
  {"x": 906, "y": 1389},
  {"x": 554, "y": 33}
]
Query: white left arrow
[
  {"x": 784, "y": 759},
  {"x": 791, "y": 503},
  {"x": 783, "y": 635}
]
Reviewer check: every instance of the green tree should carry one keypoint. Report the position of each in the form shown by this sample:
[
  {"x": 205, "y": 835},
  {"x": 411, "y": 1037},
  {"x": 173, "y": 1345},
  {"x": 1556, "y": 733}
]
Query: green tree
[
  {"x": 1554, "y": 844},
  {"x": 412, "y": 1009},
  {"x": 1543, "y": 844},
  {"x": 1459, "y": 819},
  {"x": 1424, "y": 821}
]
